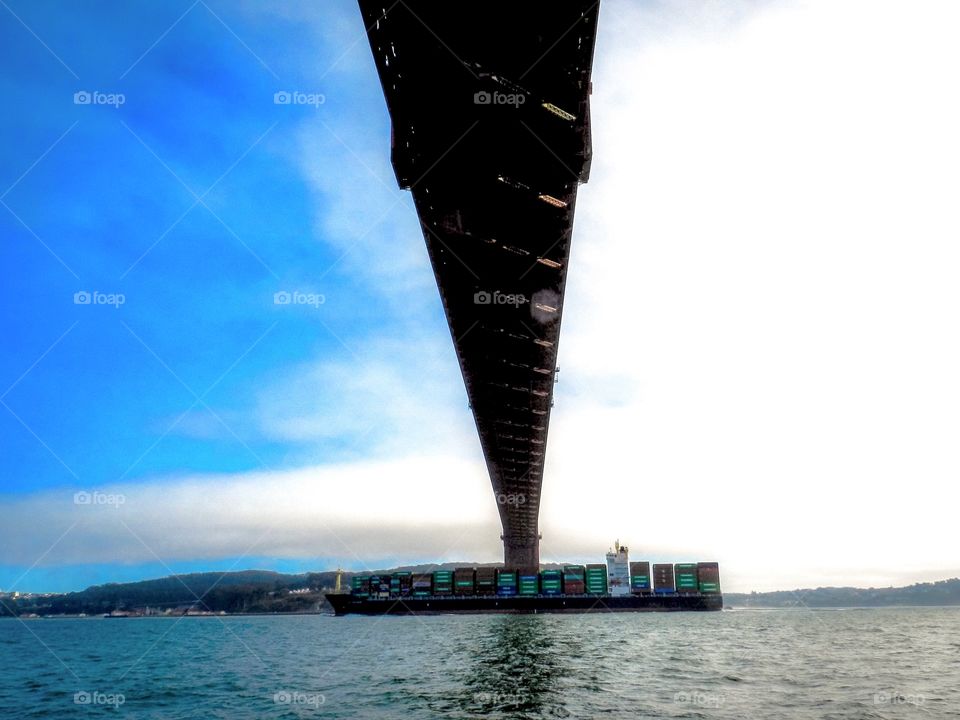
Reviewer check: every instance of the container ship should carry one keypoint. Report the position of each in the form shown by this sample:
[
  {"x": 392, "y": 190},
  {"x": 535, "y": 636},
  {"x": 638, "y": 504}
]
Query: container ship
[{"x": 616, "y": 586}]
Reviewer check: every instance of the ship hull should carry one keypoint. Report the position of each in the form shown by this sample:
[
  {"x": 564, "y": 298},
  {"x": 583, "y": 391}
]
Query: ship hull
[{"x": 346, "y": 604}]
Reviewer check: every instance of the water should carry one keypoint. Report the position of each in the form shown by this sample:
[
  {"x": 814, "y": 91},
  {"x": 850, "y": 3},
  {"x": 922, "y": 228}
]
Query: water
[{"x": 876, "y": 663}]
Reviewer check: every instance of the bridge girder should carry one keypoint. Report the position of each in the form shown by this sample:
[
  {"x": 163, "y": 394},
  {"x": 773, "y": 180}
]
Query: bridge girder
[{"x": 490, "y": 111}]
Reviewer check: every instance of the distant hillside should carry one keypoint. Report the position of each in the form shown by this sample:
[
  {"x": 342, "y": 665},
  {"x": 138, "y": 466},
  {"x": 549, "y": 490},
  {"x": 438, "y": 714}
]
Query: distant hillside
[
  {"x": 233, "y": 592},
  {"x": 944, "y": 592}
]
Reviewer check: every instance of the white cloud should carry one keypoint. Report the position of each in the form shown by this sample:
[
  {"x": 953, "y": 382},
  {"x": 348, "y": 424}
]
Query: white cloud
[
  {"x": 766, "y": 258},
  {"x": 414, "y": 506},
  {"x": 389, "y": 398}
]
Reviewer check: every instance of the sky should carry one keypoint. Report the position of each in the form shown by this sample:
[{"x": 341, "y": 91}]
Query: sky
[{"x": 760, "y": 343}]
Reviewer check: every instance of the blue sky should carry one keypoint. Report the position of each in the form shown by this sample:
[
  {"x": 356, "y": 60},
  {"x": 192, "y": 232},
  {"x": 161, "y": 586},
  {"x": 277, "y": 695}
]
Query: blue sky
[
  {"x": 198, "y": 292},
  {"x": 105, "y": 198},
  {"x": 758, "y": 322}
]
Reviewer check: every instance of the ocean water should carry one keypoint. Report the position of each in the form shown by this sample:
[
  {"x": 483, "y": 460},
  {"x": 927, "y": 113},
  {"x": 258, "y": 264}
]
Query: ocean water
[{"x": 763, "y": 664}]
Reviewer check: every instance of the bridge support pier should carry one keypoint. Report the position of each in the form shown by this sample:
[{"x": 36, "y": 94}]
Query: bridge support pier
[{"x": 521, "y": 552}]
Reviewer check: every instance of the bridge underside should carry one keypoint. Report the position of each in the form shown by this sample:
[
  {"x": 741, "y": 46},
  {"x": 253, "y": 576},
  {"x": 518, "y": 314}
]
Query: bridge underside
[{"x": 489, "y": 103}]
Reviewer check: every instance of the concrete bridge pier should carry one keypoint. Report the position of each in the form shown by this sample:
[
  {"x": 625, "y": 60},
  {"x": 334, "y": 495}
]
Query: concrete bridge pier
[{"x": 521, "y": 552}]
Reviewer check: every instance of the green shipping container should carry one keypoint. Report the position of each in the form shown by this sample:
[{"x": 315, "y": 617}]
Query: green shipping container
[
  {"x": 506, "y": 582},
  {"x": 551, "y": 582},
  {"x": 685, "y": 576},
  {"x": 360, "y": 585},
  {"x": 553, "y": 577},
  {"x": 442, "y": 582},
  {"x": 596, "y": 579},
  {"x": 529, "y": 585}
]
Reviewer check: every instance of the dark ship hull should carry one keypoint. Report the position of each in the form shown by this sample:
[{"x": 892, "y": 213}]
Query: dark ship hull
[{"x": 346, "y": 604}]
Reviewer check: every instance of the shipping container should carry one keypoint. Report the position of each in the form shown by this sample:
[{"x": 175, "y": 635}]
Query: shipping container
[
  {"x": 708, "y": 577},
  {"x": 574, "y": 572},
  {"x": 422, "y": 585},
  {"x": 663, "y": 578},
  {"x": 506, "y": 582},
  {"x": 551, "y": 582},
  {"x": 400, "y": 583},
  {"x": 486, "y": 581},
  {"x": 685, "y": 577},
  {"x": 443, "y": 582},
  {"x": 529, "y": 584},
  {"x": 463, "y": 581},
  {"x": 640, "y": 582},
  {"x": 360, "y": 585},
  {"x": 596, "y": 579},
  {"x": 573, "y": 579},
  {"x": 380, "y": 586}
]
